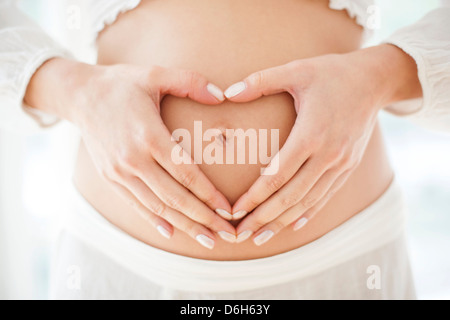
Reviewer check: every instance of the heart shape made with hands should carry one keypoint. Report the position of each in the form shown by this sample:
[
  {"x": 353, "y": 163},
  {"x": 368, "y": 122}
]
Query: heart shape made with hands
[
  {"x": 208, "y": 137},
  {"x": 325, "y": 143}
]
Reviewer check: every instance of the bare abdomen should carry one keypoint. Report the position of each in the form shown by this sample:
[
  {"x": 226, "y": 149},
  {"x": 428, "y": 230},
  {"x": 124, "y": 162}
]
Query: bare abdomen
[{"x": 226, "y": 41}]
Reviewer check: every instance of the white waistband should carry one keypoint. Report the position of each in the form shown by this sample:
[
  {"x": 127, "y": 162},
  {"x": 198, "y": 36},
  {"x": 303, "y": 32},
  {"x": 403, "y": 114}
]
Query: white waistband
[{"x": 378, "y": 224}]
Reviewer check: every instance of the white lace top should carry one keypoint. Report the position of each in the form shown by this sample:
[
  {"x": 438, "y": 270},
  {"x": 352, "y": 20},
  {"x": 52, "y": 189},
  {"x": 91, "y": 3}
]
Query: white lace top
[{"x": 24, "y": 47}]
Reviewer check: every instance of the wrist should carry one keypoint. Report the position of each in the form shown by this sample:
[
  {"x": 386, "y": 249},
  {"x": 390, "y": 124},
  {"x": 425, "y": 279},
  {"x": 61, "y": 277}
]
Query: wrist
[
  {"x": 399, "y": 74},
  {"x": 54, "y": 86},
  {"x": 391, "y": 73}
]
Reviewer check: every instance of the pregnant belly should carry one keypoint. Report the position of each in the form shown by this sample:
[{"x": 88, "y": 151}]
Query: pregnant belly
[{"x": 226, "y": 41}]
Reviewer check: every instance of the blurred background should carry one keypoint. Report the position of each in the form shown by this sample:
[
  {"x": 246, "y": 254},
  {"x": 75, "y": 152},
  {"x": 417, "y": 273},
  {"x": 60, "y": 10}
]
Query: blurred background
[{"x": 34, "y": 168}]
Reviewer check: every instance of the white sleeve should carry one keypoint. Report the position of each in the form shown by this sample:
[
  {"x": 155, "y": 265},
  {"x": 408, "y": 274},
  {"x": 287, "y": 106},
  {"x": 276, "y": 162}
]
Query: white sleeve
[
  {"x": 428, "y": 43},
  {"x": 24, "y": 47},
  {"x": 105, "y": 12}
]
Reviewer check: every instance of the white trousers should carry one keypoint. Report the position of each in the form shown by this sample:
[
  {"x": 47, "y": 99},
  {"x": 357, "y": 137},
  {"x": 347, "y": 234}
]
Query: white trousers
[{"x": 364, "y": 258}]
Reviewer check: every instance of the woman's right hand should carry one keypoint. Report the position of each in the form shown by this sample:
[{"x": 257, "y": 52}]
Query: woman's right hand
[{"x": 117, "y": 109}]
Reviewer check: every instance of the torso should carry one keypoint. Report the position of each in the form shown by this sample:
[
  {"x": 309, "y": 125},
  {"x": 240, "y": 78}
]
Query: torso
[{"x": 227, "y": 40}]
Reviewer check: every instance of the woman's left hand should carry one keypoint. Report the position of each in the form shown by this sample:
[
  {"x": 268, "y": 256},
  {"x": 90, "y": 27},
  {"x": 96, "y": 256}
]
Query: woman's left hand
[{"x": 337, "y": 99}]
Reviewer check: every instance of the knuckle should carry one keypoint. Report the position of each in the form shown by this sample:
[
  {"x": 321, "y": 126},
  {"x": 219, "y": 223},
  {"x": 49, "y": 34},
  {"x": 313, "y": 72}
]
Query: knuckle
[
  {"x": 346, "y": 142},
  {"x": 253, "y": 202},
  {"x": 290, "y": 200},
  {"x": 251, "y": 198},
  {"x": 306, "y": 147},
  {"x": 191, "y": 228},
  {"x": 153, "y": 150},
  {"x": 204, "y": 217},
  {"x": 257, "y": 79},
  {"x": 355, "y": 159},
  {"x": 275, "y": 182},
  {"x": 278, "y": 224},
  {"x": 209, "y": 198},
  {"x": 154, "y": 71},
  {"x": 132, "y": 203},
  {"x": 308, "y": 201},
  {"x": 258, "y": 222},
  {"x": 296, "y": 69},
  {"x": 356, "y": 162},
  {"x": 334, "y": 155},
  {"x": 114, "y": 171},
  {"x": 174, "y": 201},
  {"x": 159, "y": 209},
  {"x": 348, "y": 161},
  {"x": 332, "y": 193},
  {"x": 208, "y": 220},
  {"x": 146, "y": 217},
  {"x": 156, "y": 153},
  {"x": 192, "y": 78},
  {"x": 128, "y": 159},
  {"x": 152, "y": 145},
  {"x": 104, "y": 174},
  {"x": 187, "y": 178}
]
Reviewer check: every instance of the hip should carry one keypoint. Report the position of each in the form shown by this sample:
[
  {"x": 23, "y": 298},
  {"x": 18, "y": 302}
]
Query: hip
[{"x": 365, "y": 257}]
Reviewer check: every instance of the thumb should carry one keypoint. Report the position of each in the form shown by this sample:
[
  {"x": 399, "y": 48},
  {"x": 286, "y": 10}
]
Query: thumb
[
  {"x": 189, "y": 84},
  {"x": 262, "y": 83}
]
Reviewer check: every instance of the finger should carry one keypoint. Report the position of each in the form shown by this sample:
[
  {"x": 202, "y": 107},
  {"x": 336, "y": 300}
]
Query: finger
[
  {"x": 180, "y": 199},
  {"x": 188, "y": 84},
  {"x": 150, "y": 202},
  {"x": 273, "y": 228},
  {"x": 262, "y": 83},
  {"x": 284, "y": 165},
  {"x": 308, "y": 215},
  {"x": 183, "y": 169},
  {"x": 163, "y": 227},
  {"x": 301, "y": 193},
  {"x": 323, "y": 191}
]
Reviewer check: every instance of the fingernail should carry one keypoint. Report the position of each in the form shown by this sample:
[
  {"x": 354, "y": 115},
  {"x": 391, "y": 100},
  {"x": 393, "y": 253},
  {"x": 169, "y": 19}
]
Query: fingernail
[
  {"x": 300, "y": 224},
  {"x": 243, "y": 236},
  {"x": 227, "y": 236},
  {"x": 240, "y": 214},
  {"x": 215, "y": 91},
  {"x": 263, "y": 237},
  {"x": 164, "y": 232},
  {"x": 224, "y": 214},
  {"x": 235, "y": 89},
  {"x": 205, "y": 241}
]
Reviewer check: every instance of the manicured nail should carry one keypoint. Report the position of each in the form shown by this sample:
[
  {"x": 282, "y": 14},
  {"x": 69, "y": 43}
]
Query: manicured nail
[
  {"x": 224, "y": 214},
  {"x": 263, "y": 237},
  {"x": 300, "y": 224},
  {"x": 205, "y": 241},
  {"x": 243, "y": 236},
  {"x": 215, "y": 91},
  {"x": 235, "y": 89},
  {"x": 240, "y": 214},
  {"x": 227, "y": 236},
  {"x": 164, "y": 232}
]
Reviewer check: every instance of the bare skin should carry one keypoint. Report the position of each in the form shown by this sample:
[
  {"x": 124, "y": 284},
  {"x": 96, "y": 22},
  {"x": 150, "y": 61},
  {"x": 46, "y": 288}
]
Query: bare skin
[{"x": 279, "y": 33}]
